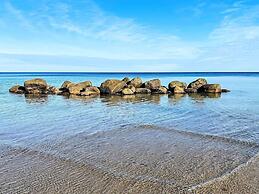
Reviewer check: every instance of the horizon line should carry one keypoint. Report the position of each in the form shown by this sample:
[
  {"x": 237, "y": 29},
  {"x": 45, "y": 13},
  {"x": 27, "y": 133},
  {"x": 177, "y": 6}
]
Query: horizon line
[{"x": 121, "y": 72}]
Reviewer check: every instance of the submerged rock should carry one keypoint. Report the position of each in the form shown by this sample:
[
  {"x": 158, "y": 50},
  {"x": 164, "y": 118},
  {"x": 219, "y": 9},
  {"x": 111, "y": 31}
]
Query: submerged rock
[
  {"x": 153, "y": 84},
  {"x": 35, "y": 86},
  {"x": 112, "y": 86},
  {"x": 225, "y": 90},
  {"x": 210, "y": 88},
  {"x": 17, "y": 89},
  {"x": 136, "y": 82},
  {"x": 197, "y": 83}
]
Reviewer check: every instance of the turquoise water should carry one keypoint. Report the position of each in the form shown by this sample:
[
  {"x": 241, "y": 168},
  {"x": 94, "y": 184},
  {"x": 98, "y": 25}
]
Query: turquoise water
[{"x": 233, "y": 115}]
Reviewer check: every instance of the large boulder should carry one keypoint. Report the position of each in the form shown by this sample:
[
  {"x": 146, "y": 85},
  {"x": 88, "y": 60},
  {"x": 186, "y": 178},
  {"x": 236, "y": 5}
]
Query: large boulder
[
  {"x": 210, "y": 88},
  {"x": 197, "y": 83},
  {"x": 173, "y": 84},
  {"x": 35, "y": 86},
  {"x": 152, "y": 84},
  {"x": 112, "y": 86},
  {"x": 143, "y": 91},
  {"x": 178, "y": 90},
  {"x": 17, "y": 89},
  {"x": 76, "y": 89},
  {"x": 90, "y": 91},
  {"x": 160, "y": 90},
  {"x": 136, "y": 82}
]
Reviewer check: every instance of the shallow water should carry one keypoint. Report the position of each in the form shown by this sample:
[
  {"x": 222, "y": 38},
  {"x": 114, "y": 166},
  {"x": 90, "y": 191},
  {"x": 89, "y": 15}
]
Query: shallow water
[
  {"x": 28, "y": 120},
  {"x": 113, "y": 144}
]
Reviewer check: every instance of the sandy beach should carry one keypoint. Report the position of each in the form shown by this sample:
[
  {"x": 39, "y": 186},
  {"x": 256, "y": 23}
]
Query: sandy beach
[{"x": 140, "y": 159}]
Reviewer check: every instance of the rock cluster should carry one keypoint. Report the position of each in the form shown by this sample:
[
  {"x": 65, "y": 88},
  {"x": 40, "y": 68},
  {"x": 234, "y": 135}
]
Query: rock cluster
[{"x": 126, "y": 86}]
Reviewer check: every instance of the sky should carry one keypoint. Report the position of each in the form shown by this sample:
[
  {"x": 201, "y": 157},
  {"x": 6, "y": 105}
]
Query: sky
[{"x": 129, "y": 35}]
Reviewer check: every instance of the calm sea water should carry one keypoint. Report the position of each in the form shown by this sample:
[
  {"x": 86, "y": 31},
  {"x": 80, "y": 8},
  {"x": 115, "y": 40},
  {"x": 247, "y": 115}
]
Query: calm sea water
[{"x": 234, "y": 115}]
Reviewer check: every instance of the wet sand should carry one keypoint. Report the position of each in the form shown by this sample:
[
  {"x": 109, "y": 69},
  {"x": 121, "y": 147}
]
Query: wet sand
[{"x": 141, "y": 159}]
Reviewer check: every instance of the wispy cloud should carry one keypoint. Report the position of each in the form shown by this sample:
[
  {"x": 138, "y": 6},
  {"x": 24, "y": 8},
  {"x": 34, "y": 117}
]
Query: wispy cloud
[
  {"x": 61, "y": 28},
  {"x": 91, "y": 23},
  {"x": 18, "y": 15}
]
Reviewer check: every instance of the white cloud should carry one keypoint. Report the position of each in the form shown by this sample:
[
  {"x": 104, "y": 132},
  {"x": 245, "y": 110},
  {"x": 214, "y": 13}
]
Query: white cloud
[
  {"x": 121, "y": 37},
  {"x": 62, "y": 29}
]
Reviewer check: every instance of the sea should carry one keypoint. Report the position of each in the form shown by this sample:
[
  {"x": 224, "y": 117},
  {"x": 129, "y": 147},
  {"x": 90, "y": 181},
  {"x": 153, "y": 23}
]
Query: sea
[{"x": 26, "y": 121}]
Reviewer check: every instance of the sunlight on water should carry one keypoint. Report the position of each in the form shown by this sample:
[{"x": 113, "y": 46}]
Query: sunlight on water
[{"x": 26, "y": 119}]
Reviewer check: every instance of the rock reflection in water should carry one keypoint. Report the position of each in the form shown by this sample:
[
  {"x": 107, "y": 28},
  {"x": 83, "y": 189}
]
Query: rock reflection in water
[
  {"x": 36, "y": 99},
  {"x": 85, "y": 99},
  {"x": 199, "y": 97},
  {"x": 175, "y": 98},
  {"x": 138, "y": 98}
]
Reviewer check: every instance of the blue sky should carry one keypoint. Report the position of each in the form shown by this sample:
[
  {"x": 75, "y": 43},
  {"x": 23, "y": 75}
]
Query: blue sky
[{"x": 129, "y": 35}]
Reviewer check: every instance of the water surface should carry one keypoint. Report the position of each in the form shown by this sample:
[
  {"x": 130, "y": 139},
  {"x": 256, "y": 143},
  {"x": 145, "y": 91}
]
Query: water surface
[{"x": 233, "y": 115}]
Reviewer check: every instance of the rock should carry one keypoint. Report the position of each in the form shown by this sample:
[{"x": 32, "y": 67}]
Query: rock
[
  {"x": 131, "y": 87},
  {"x": 160, "y": 90},
  {"x": 190, "y": 90},
  {"x": 210, "y": 88},
  {"x": 90, "y": 91},
  {"x": 153, "y": 84},
  {"x": 35, "y": 86},
  {"x": 143, "y": 91},
  {"x": 112, "y": 86},
  {"x": 76, "y": 89},
  {"x": 127, "y": 91},
  {"x": 178, "y": 90},
  {"x": 52, "y": 90},
  {"x": 17, "y": 89},
  {"x": 225, "y": 90},
  {"x": 136, "y": 82},
  {"x": 65, "y": 85},
  {"x": 179, "y": 84},
  {"x": 126, "y": 79},
  {"x": 197, "y": 83}
]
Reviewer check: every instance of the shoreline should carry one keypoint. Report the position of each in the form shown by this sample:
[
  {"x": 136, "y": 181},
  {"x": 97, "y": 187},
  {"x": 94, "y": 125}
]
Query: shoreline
[{"x": 141, "y": 159}]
